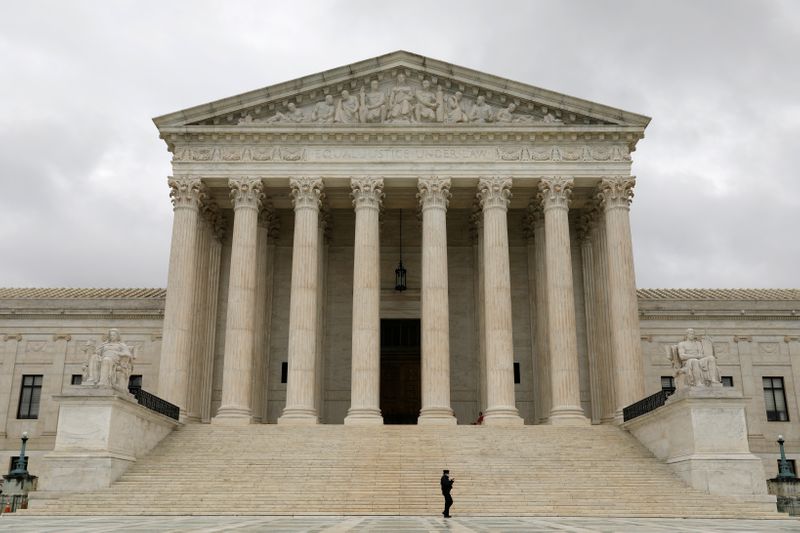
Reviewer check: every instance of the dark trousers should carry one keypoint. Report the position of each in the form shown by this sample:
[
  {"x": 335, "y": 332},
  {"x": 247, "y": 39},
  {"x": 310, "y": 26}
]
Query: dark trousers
[{"x": 448, "y": 501}]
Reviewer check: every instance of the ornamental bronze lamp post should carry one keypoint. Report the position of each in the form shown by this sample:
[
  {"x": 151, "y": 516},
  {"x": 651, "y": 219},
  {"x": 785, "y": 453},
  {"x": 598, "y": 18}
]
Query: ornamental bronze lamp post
[
  {"x": 400, "y": 271},
  {"x": 21, "y": 467},
  {"x": 784, "y": 471}
]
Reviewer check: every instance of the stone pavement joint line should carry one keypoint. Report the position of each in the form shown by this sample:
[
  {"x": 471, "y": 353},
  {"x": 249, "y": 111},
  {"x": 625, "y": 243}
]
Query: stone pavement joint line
[
  {"x": 203, "y": 469},
  {"x": 338, "y": 524}
]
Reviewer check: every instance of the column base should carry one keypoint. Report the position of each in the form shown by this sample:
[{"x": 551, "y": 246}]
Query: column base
[
  {"x": 232, "y": 416},
  {"x": 298, "y": 417},
  {"x": 436, "y": 416},
  {"x": 363, "y": 417},
  {"x": 568, "y": 416},
  {"x": 502, "y": 416}
]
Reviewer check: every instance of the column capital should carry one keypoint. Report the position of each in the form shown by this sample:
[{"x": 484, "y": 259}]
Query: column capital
[
  {"x": 555, "y": 192},
  {"x": 367, "y": 192},
  {"x": 585, "y": 222},
  {"x": 186, "y": 191},
  {"x": 616, "y": 192},
  {"x": 534, "y": 217},
  {"x": 433, "y": 192},
  {"x": 307, "y": 191},
  {"x": 494, "y": 191},
  {"x": 246, "y": 192}
]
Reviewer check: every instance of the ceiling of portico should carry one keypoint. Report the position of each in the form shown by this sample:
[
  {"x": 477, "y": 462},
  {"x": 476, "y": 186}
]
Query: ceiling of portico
[{"x": 398, "y": 90}]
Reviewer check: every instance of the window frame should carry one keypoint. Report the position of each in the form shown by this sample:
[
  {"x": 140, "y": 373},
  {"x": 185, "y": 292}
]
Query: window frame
[
  {"x": 35, "y": 391},
  {"x": 774, "y": 415}
]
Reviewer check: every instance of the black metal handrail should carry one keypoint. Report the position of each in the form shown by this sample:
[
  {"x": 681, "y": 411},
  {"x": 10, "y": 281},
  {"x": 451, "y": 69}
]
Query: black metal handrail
[
  {"x": 646, "y": 405},
  {"x": 154, "y": 403}
]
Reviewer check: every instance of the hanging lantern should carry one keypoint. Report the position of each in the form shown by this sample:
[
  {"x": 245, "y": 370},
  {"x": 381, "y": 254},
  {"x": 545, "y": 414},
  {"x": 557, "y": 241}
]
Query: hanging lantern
[{"x": 400, "y": 271}]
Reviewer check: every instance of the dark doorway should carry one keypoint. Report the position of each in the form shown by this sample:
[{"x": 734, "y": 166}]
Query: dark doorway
[{"x": 400, "y": 371}]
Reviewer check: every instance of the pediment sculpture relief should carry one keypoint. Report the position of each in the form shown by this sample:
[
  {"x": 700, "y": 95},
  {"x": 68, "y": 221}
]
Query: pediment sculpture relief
[
  {"x": 694, "y": 362},
  {"x": 401, "y": 103},
  {"x": 109, "y": 364}
]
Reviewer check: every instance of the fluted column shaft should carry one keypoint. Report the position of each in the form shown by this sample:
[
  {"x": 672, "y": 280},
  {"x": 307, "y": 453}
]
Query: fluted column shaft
[
  {"x": 562, "y": 336},
  {"x": 477, "y": 228},
  {"x": 434, "y": 194},
  {"x": 209, "y": 333},
  {"x": 494, "y": 194},
  {"x": 173, "y": 378},
  {"x": 235, "y": 408},
  {"x": 259, "y": 374},
  {"x": 301, "y": 386},
  {"x": 201, "y": 292},
  {"x": 366, "y": 359},
  {"x": 586, "y": 223},
  {"x": 541, "y": 327},
  {"x": 616, "y": 194},
  {"x": 602, "y": 314}
]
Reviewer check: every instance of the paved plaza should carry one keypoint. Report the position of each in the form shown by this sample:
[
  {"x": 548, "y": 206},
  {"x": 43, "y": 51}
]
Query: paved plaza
[{"x": 296, "y": 524}]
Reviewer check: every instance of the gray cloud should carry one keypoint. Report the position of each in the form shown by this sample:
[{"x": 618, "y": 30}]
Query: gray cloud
[{"x": 84, "y": 199}]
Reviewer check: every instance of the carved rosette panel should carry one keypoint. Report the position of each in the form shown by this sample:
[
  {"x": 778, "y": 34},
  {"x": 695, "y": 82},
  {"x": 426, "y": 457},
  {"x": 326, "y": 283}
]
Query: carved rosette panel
[
  {"x": 367, "y": 192},
  {"x": 186, "y": 192},
  {"x": 555, "y": 192},
  {"x": 494, "y": 192},
  {"x": 246, "y": 192},
  {"x": 307, "y": 192},
  {"x": 534, "y": 217},
  {"x": 616, "y": 192},
  {"x": 433, "y": 192}
]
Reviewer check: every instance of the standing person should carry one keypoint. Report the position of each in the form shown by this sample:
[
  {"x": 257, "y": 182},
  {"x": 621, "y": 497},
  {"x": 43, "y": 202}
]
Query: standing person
[{"x": 447, "y": 485}]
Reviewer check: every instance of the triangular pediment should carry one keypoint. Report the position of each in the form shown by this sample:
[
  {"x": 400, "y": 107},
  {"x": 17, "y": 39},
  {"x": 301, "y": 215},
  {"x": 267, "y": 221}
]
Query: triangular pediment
[{"x": 400, "y": 89}]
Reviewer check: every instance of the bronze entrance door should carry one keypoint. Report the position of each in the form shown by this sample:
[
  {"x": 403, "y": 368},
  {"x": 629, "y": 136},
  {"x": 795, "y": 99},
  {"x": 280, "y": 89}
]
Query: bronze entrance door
[{"x": 400, "y": 371}]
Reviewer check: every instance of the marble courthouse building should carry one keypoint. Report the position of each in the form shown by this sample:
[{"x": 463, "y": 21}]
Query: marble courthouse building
[{"x": 401, "y": 240}]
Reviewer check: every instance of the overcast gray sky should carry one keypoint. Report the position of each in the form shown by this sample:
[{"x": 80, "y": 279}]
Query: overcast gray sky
[{"x": 84, "y": 200}]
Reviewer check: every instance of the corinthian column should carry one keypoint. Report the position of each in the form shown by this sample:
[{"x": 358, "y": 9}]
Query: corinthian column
[
  {"x": 494, "y": 194},
  {"x": 586, "y": 223},
  {"x": 540, "y": 318},
  {"x": 565, "y": 406},
  {"x": 434, "y": 195},
  {"x": 602, "y": 314},
  {"x": 259, "y": 373},
  {"x": 366, "y": 359},
  {"x": 615, "y": 195},
  {"x": 173, "y": 377},
  {"x": 238, "y": 360},
  {"x": 300, "y": 390}
]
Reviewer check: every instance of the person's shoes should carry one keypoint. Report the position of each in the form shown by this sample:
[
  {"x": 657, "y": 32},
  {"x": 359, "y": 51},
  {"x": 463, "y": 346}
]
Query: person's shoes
[{"x": 446, "y": 515}]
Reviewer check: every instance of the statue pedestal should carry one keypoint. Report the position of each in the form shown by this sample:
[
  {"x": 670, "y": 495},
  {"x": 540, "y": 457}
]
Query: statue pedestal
[
  {"x": 101, "y": 432},
  {"x": 701, "y": 433}
]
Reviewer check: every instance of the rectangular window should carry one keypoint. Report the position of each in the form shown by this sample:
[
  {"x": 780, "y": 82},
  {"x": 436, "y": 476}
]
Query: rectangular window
[
  {"x": 792, "y": 466},
  {"x": 516, "y": 372},
  {"x": 668, "y": 383},
  {"x": 29, "y": 396},
  {"x": 135, "y": 381},
  {"x": 727, "y": 381},
  {"x": 77, "y": 379},
  {"x": 284, "y": 371},
  {"x": 775, "y": 399}
]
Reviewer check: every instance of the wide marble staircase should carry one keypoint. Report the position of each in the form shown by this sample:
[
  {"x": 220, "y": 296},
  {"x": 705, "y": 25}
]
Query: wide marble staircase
[{"x": 395, "y": 470}]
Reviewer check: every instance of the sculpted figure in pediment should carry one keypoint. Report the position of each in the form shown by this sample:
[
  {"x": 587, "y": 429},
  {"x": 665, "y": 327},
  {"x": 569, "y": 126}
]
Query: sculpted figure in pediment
[
  {"x": 481, "y": 112},
  {"x": 400, "y": 102},
  {"x": 324, "y": 111},
  {"x": 373, "y": 104},
  {"x": 347, "y": 109},
  {"x": 549, "y": 118},
  {"x": 292, "y": 115},
  {"x": 507, "y": 115},
  {"x": 428, "y": 103},
  {"x": 454, "y": 110}
]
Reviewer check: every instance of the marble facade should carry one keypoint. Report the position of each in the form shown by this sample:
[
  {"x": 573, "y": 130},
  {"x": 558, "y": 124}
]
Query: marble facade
[{"x": 286, "y": 232}]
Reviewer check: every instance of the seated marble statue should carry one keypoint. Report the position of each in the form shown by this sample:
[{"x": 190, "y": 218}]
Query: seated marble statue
[
  {"x": 110, "y": 364},
  {"x": 293, "y": 115},
  {"x": 694, "y": 362},
  {"x": 324, "y": 111}
]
